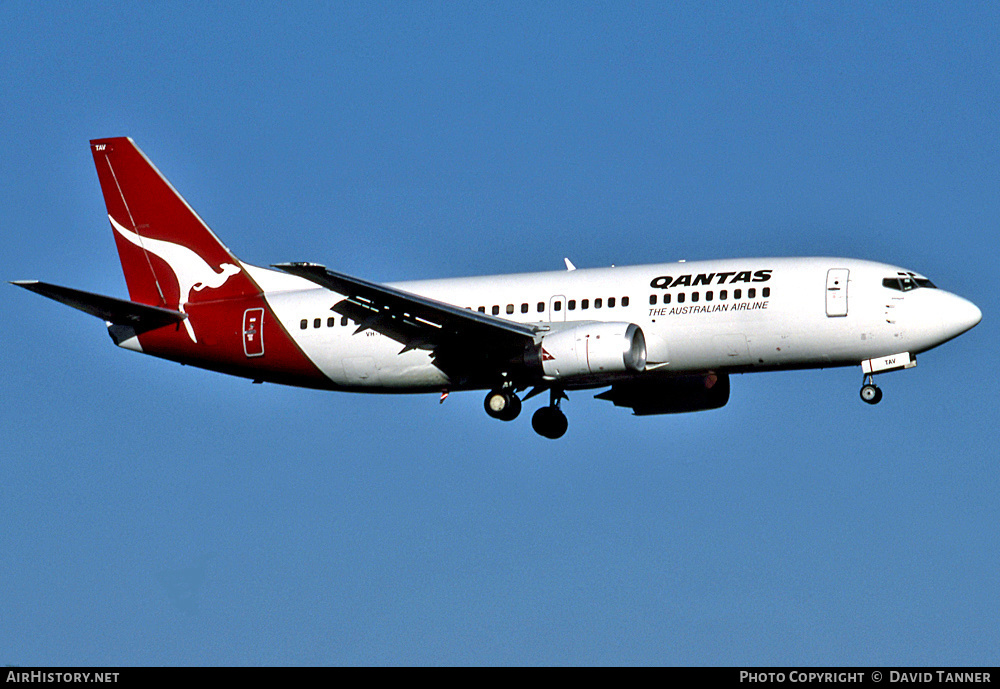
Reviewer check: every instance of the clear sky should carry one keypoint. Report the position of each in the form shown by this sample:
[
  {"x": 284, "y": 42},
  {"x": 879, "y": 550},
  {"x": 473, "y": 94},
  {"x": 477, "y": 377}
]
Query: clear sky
[{"x": 157, "y": 514}]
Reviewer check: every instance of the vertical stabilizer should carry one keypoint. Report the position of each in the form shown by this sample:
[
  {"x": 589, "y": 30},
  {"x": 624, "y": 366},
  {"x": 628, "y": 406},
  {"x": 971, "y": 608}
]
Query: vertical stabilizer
[
  {"x": 192, "y": 301},
  {"x": 169, "y": 255}
]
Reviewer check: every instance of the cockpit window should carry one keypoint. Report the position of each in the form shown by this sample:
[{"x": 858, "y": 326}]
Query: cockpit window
[{"x": 904, "y": 282}]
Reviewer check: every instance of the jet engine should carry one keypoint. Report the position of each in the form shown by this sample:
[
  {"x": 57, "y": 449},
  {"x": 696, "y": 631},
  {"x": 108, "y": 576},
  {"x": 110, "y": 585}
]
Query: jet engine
[
  {"x": 671, "y": 395},
  {"x": 592, "y": 348}
]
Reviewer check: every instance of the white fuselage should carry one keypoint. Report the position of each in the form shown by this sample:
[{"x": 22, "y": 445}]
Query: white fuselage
[{"x": 723, "y": 316}]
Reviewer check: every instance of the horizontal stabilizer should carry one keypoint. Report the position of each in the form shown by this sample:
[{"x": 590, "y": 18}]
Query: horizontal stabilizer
[{"x": 118, "y": 311}]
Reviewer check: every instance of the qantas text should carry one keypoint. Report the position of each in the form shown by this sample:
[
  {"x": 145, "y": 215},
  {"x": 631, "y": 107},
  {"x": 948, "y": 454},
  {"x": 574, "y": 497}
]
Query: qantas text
[{"x": 667, "y": 281}]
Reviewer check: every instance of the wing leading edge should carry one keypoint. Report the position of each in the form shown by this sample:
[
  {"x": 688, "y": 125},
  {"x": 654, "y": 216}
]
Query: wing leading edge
[{"x": 463, "y": 342}]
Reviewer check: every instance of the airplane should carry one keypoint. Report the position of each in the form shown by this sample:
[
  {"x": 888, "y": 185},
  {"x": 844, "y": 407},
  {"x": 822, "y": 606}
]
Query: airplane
[{"x": 662, "y": 338}]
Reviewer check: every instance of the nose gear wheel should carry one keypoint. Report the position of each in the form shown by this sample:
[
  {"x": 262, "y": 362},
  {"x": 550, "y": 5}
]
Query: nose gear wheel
[{"x": 870, "y": 393}]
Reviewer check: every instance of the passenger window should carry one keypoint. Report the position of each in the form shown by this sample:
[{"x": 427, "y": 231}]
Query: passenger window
[
  {"x": 343, "y": 320},
  {"x": 723, "y": 294},
  {"x": 680, "y": 298},
  {"x": 541, "y": 307},
  {"x": 510, "y": 308},
  {"x": 330, "y": 321},
  {"x": 652, "y": 298},
  {"x": 571, "y": 305},
  {"x": 584, "y": 304},
  {"x": 694, "y": 296},
  {"x": 304, "y": 323},
  {"x": 751, "y": 293},
  {"x": 557, "y": 306},
  {"x": 495, "y": 310},
  {"x": 766, "y": 292},
  {"x": 666, "y": 298},
  {"x": 708, "y": 295},
  {"x": 481, "y": 309},
  {"x": 524, "y": 307},
  {"x": 737, "y": 293},
  {"x": 611, "y": 302},
  {"x": 317, "y": 322},
  {"x": 624, "y": 301},
  {"x": 597, "y": 303}
]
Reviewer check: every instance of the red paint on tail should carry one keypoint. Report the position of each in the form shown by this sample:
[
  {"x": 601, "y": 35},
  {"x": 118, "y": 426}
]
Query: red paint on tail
[
  {"x": 171, "y": 259},
  {"x": 150, "y": 219}
]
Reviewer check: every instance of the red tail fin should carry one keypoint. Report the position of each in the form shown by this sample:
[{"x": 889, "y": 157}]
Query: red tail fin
[
  {"x": 172, "y": 260},
  {"x": 169, "y": 256}
]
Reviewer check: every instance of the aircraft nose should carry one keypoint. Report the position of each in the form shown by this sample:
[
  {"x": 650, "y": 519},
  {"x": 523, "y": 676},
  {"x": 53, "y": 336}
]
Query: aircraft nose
[{"x": 963, "y": 314}]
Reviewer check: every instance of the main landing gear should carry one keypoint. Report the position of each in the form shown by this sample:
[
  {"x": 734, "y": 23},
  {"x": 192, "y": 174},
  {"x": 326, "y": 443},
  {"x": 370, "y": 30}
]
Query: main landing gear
[
  {"x": 550, "y": 422},
  {"x": 870, "y": 392},
  {"x": 503, "y": 404}
]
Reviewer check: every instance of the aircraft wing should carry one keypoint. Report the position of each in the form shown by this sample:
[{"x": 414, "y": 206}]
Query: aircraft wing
[
  {"x": 454, "y": 335},
  {"x": 120, "y": 311}
]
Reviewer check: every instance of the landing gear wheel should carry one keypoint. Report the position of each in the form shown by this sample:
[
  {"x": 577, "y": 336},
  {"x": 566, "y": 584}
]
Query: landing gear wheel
[
  {"x": 549, "y": 422},
  {"x": 503, "y": 405},
  {"x": 870, "y": 393}
]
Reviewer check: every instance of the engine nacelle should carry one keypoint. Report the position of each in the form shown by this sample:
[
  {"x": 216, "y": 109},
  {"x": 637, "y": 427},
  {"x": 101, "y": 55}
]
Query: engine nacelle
[
  {"x": 593, "y": 348},
  {"x": 671, "y": 395}
]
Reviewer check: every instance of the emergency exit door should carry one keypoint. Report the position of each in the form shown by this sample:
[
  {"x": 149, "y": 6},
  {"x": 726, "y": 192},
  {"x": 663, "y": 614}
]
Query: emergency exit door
[
  {"x": 836, "y": 291},
  {"x": 253, "y": 332},
  {"x": 557, "y": 308}
]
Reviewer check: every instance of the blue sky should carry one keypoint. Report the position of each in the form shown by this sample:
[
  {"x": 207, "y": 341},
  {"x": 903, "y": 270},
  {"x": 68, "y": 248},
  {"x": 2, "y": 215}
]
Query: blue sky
[{"x": 154, "y": 514}]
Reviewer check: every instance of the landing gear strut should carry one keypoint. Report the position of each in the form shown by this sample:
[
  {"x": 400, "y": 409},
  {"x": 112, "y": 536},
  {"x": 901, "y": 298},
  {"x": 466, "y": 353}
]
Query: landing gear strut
[
  {"x": 870, "y": 392},
  {"x": 550, "y": 422},
  {"x": 503, "y": 404}
]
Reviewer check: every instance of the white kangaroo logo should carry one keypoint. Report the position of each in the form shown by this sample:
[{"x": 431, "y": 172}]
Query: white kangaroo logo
[{"x": 190, "y": 269}]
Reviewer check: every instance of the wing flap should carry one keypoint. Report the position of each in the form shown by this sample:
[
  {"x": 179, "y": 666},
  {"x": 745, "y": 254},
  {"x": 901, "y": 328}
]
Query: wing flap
[
  {"x": 381, "y": 303},
  {"x": 465, "y": 344}
]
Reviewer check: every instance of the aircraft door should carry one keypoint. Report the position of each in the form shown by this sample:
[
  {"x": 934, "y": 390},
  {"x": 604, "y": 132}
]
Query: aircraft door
[
  {"x": 836, "y": 292},
  {"x": 557, "y": 308},
  {"x": 253, "y": 332}
]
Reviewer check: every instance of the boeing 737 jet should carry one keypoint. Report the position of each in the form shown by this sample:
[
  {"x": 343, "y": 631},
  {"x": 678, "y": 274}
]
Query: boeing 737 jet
[{"x": 657, "y": 339}]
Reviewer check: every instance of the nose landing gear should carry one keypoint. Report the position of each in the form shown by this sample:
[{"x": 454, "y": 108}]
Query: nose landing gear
[{"x": 870, "y": 392}]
